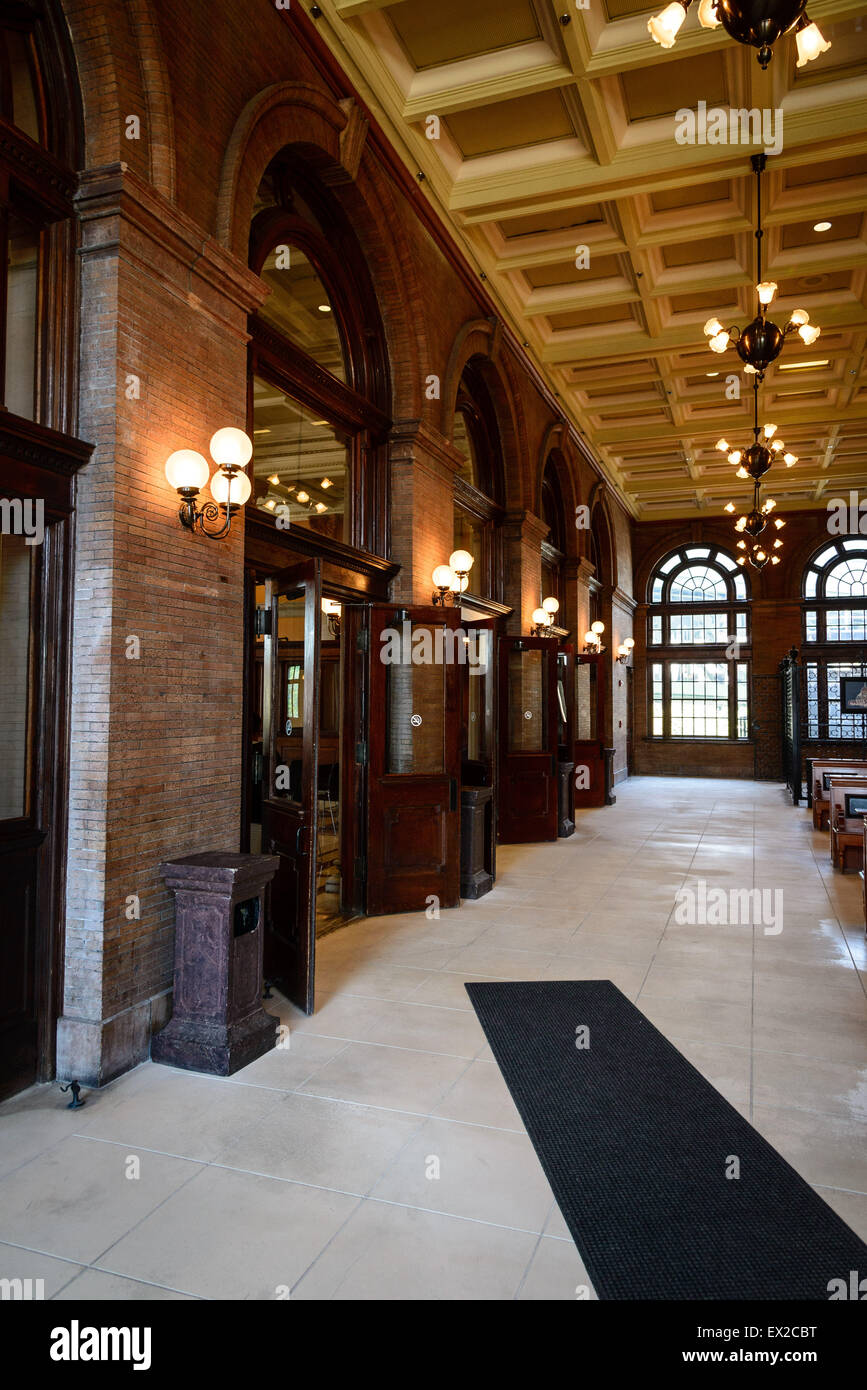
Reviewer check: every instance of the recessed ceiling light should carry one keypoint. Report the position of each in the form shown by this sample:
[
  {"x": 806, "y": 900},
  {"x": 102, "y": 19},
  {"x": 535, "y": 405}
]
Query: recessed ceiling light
[
  {"x": 822, "y": 227},
  {"x": 261, "y": 431},
  {"x": 799, "y": 366},
  {"x": 711, "y": 373},
  {"x": 324, "y": 308}
]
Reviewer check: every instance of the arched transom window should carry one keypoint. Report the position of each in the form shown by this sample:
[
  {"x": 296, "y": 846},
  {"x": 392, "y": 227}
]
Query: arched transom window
[
  {"x": 835, "y": 625},
  {"x": 697, "y": 628}
]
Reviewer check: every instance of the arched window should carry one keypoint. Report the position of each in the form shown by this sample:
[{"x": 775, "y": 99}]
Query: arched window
[
  {"x": 319, "y": 380},
  {"x": 554, "y": 548},
  {"x": 38, "y": 156},
  {"x": 698, "y": 626},
  {"x": 835, "y": 625},
  {"x": 478, "y": 507}
]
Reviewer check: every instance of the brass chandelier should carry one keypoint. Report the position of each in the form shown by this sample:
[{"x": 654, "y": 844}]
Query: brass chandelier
[
  {"x": 761, "y": 342},
  {"x": 754, "y": 23},
  {"x": 754, "y": 462}
]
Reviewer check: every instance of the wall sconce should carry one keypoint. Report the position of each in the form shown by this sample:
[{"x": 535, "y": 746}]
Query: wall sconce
[
  {"x": 188, "y": 473},
  {"x": 331, "y": 609},
  {"x": 543, "y": 618},
  {"x": 593, "y": 638},
  {"x": 624, "y": 651},
  {"x": 452, "y": 579}
]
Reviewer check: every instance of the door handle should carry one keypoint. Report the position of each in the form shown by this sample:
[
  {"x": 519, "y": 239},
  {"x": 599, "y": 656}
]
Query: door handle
[{"x": 298, "y": 850}]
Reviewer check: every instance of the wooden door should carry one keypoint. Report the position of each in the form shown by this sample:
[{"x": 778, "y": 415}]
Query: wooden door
[
  {"x": 22, "y": 833},
  {"x": 527, "y": 794},
  {"x": 290, "y": 747},
  {"x": 416, "y": 657},
  {"x": 588, "y": 774}
]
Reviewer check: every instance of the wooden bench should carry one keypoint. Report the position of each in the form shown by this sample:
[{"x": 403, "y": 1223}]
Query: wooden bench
[
  {"x": 823, "y": 769},
  {"x": 848, "y": 809}
]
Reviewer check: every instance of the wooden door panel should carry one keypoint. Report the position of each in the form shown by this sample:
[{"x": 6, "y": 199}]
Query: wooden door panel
[
  {"x": 416, "y": 837},
  {"x": 528, "y": 731},
  {"x": 415, "y": 760}
]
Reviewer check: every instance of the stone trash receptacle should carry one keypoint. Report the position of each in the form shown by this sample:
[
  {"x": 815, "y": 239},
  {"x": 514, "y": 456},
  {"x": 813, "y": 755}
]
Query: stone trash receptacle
[{"x": 218, "y": 1024}]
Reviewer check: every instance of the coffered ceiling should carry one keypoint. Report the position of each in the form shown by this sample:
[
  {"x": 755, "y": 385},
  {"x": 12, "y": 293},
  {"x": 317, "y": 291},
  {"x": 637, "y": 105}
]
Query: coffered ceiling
[{"x": 554, "y": 136}]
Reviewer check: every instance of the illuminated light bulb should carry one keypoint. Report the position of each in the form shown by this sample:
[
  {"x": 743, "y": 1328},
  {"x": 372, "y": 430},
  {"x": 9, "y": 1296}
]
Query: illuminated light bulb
[
  {"x": 187, "y": 469},
  {"x": 742, "y": 560},
  {"x": 589, "y": 639},
  {"x": 324, "y": 308},
  {"x": 663, "y": 28},
  {"x": 822, "y": 227},
  {"x": 742, "y": 545},
  {"x": 777, "y": 445},
  {"x": 741, "y": 522},
  {"x": 790, "y": 460},
  {"x": 274, "y": 478},
  {"x": 766, "y": 291},
  {"x": 234, "y": 488},
  {"x": 810, "y": 41},
  {"x": 777, "y": 544},
  {"x": 321, "y": 507},
  {"x": 779, "y": 523},
  {"x": 540, "y": 617},
  {"x": 442, "y": 577},
  {"x": 270, "y": 504},
  {"x": 331, "y": 607},
  {"x": 461, "y": 561},
  {"x": 597, "y": 627},
  {"x": 231, "y": 448},
  {"x": 809, "y": 333},
  {"x": 622, "y": 650},
  {"x": 707, "y": 15},
  {"x": 723, "y": 446},
  {"x": 775, "y": 559},
  {"x": 742, "y": 472},
  {"x": 719, "y": 342},
  {"x": 735, "y": 456},
  {"x": 769, "y": 505},
  {"x": 730, "y": 506},
  {"x": 799, "y": 316},
  {"x": 770, "y": 431},
  {"x": 760, "y": 555},
  {"x": 712, "y": 327},
  {"x": 303, "y": 497},
  {"x": 551, "y": 605},
  {"x": 326, "y": 483},
  {"x": 629, "y": 643}
]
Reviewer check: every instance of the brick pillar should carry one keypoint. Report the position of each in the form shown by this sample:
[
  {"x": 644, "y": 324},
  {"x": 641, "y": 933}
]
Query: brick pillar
[
  {"x": 423, "y": 466},
  {"x": 157, "y": 669},
  {"x": 523, "y": 534}
]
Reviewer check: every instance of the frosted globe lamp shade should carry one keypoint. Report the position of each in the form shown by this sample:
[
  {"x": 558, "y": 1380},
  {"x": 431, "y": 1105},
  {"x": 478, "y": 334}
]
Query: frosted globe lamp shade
[
  {"x": 770, "y": 431},
  {"x": 442, "y": 577},
  {"x": 240, "y": 488},
  {"x": 231, "y": 448},
  {"x": 187, "y": 469},
  {"x": 809, "y": 332},
  {"x": 540, "y": 617},
  {"x": 799, "y": 316},
  {"x": 751, "y": 371},
  {"x": 712, "y": 327},
  {"x": 551, "y": 605},
  {"x": 723, "y": 446},
  {"x": 597, "y": 627},
  {"x": 663, "y": 27},
  {"x": 331, "y": 607},
  {"x": 707, "y": 15},
  {"x": 719, "y": 342},
  {"x": 629, "y": 643},
  {"x": 622, "y": 650},
  {"x": 766, "y": 291},
  {"x": 790, "y": 460},
  {"x": 589, "y": 638},
  {"x": 810, "y": 43},
  {"x": 461, "y": 561}
]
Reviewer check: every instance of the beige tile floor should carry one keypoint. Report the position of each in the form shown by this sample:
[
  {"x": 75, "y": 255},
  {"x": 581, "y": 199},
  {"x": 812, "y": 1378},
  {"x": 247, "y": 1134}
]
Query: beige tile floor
[{"x": 380, "y": 1155}]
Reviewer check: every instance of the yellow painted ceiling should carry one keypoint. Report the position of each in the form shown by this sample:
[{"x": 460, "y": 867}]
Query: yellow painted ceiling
[{"x": 555, "y": 136}]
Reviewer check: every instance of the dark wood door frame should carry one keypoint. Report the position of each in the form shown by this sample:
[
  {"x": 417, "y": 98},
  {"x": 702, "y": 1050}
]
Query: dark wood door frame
[
  {"x": 38, "y": 464},
  {"x": 524, "y": 775}
]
